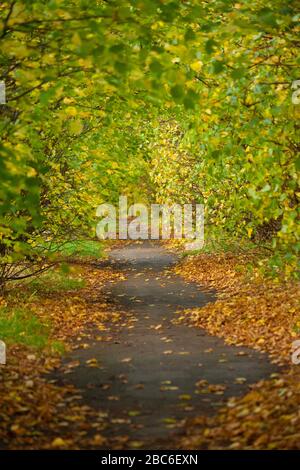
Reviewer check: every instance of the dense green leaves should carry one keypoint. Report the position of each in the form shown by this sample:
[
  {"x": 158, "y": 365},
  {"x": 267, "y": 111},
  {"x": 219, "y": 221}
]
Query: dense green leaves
[{"x": 102, "y": 94}]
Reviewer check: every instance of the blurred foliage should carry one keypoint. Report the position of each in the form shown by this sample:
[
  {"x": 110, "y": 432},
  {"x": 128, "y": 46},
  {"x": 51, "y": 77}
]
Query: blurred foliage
[{"x": 188, "y": 100}]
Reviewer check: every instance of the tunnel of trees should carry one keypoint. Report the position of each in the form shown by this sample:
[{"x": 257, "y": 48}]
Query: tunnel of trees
[
  {"x": 165, "y": 102},
  {"x": 159, "y": 100}
]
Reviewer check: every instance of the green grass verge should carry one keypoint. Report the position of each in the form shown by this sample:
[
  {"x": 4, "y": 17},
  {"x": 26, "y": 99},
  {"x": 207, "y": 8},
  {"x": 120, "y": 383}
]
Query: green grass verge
[
  {"x": 219, "y": 245},
  {"x": 55, "y": 281},
  {"x": 83, "y": 249},
  {"x": 21, "y": 326}
]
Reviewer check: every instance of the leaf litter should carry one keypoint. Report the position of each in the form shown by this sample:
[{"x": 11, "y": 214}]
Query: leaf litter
[{"x": 261, "y": 314}]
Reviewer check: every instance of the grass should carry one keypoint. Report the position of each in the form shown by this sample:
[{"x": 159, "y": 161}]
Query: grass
[
  {"x": 82, "y": 249},
  {"x": 18, "y": 324},
  {"x": 219, "y": 245},
  {"x": 55, "y": 281},
  {"x": 21, "y": 326}
]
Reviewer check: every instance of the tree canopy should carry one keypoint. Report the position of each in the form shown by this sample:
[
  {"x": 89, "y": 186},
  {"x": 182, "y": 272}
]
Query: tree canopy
[{"x": 173, "y": 100}]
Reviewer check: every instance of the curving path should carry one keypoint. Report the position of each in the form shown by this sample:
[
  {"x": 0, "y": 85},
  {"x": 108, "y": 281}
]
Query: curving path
[{"x": 150, "y": 368}]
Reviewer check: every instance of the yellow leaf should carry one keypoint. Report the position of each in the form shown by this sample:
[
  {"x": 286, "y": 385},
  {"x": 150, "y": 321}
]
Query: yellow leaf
[
  {"x": 197, "y": 66},
  {"x": 58, "y": 442},
  {"x": 71, "y": 111}
]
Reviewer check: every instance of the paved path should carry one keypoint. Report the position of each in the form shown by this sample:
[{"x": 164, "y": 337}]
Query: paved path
[{"x": 149, "y": 371}]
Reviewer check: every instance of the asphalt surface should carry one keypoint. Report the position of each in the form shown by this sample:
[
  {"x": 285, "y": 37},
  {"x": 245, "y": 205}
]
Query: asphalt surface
[{"x": 148, "y": 372}]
